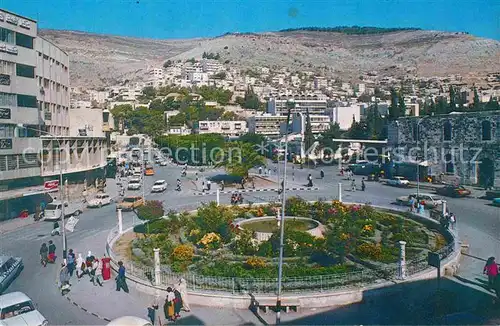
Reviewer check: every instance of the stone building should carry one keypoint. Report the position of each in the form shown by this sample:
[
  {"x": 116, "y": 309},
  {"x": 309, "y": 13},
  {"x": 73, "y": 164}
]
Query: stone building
[{"x": 464, "y": 145}]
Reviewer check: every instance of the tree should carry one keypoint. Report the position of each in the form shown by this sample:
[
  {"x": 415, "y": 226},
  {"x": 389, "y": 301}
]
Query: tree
[
  {"x": 374, "y": 123},
  {"x": 477, "y": 101},
  {"x": 151, "y": 210},
  {"x": 238, "y": 158},
  {"x": 492, "y": 105},
  {"x": 251, "y": 100},
  {"x": 394, "y": 109},
  {"x": 357, "y": 130},
  {"x": 229, "y": 115},
  {"x": 453, "y": 98},
  {"x": 401, "y": 105},
  {"x": 326, "y": 142},
  {"x": 121, "y": 113},
  {"x": 167, "y": 63},
  {"x": 220, "y": 75},
  {"x": 309, "y": 139},
  {"x": 442, "y": 106},
  {"x": 149, "y": 92}
]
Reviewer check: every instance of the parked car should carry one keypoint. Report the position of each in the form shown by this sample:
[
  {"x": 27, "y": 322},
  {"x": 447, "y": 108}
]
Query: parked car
[
  {"x": 100, "y": 200},
  {"x": 159, "y": 186},
  {"x": 134, "y": 184},
  {"x": 429, "y": 200},
  {"x": 129, "y": 321},
  {"x": 130, "y": 202},
  {"x": 496, "y": 202},
  {"x": 453, "y": 191},
  {"x": 53, "y": 211},
  {"x": 16, "y": 308},
  {"x": 398, "y": 182},
  {"x": 10, "y": 267},
  {"x": 163, "y": 163}
]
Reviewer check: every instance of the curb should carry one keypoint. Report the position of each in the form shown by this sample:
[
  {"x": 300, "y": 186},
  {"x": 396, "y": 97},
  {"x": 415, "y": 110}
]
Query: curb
[
  {"x": 86, "y": 310},
  {"x": 253, "y": 190}
]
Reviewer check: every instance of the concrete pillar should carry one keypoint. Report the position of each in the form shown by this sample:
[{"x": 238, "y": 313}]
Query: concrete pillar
[
  {"x": 157, "y": 266},
  {"x": 218, "y": 196},
  {"x": 443, "y": 208},
  {"x": 402, "y": 260},
  {"x": 340, "y": 191},
  {"x": 120, "y": 220}
]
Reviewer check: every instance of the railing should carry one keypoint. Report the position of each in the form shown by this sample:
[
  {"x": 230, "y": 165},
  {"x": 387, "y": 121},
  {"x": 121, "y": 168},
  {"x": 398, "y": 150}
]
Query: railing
[{"x": 237, "y": 285}]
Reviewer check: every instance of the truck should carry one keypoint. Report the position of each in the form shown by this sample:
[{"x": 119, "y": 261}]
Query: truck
[{"x": 53, "y": 210}]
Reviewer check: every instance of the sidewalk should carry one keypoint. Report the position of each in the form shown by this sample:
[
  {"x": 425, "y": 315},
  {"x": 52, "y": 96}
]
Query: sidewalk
[{"x": 16, "y": 223}]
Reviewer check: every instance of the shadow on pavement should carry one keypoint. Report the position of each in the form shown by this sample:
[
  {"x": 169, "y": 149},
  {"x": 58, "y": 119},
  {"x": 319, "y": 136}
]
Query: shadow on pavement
[
  {"x": 414, "y": 303},
  {"x": 188, "y": 320}
]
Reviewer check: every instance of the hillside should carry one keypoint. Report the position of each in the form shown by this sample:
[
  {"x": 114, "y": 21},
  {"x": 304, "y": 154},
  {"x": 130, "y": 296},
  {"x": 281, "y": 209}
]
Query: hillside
[{"x": 98, "y": 60}]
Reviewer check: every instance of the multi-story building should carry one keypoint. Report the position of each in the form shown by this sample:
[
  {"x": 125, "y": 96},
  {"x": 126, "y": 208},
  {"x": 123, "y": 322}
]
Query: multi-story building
[
  {"x": 463, "y": 145},
  {"x": 320, "y": 82},
  {"x": 226, "y": 128},
  {"x": 302, "y": 104},
  {"x": 319, "y": 123},
  {"x": 211, "y": 66},
  {"x": 35, "y": 138},
  {"x": 100, "y": 97},
  {"x": 344, "y": 115},
  {"x": 266, "y": 124}
]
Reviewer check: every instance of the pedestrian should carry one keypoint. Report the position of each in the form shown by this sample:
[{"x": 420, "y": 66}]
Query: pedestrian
[
  {"x": 209, "y": 185},
  {"x": 453, "y": 221},
  {"x": 222, "y": 185},
  {"x": 121, "y": 282},
  {"x": 491, "y": 269},
  {"x": 177, "y": 303},
  {"x": 322, "y": 174},
  {"x": 196, "y": 174},
  {"x": 89, "y": 260},
  {"x": 44, "y": 252},
  {"x": 97, "y": 268},
  {"x": 71, "y": 262},
  {"x": 52, "y": 252},
  {"x": 182, "y": 287},
  {"x": 353, "y": 185},
  {"x": 363, "y": 186},
  {"x": 260, "y": 169},
  {"x": 269, "y": 171},
  {"x": 412, "y": 204},
  {"x": 81, "y": 267},
  {"x": 309, "y": 180},
  {"x": 168, "y": 307},
  {"x": 152, "y": 314},
  {"x": 421, "y": 208},
  {"x": 203, "y": 186},
  {"x": 63, "y": 276}
]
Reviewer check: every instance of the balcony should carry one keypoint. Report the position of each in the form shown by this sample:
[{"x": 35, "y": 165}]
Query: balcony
[{"x": 47, "y": 116}]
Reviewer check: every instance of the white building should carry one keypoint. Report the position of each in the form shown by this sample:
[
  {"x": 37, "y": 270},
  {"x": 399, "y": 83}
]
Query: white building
[
  {"x": 302, "y": 104},
  {"x": 86, "y": 121},
  {"x": 99, "y": 96},
  {"x": 180, "y": 130},
  {"x": 211, "y": 66},
  {"x": 320, "y": 82},
  {"x": 343, "y": 115},
  {"x": 319, "y": 123},
  {"x": 266, "y": 124},
  {"x": 227, "y": 128}
]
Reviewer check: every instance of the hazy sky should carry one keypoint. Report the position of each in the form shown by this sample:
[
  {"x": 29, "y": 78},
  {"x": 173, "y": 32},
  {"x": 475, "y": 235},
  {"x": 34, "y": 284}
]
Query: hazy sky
[{"x": 198, "y": 18}]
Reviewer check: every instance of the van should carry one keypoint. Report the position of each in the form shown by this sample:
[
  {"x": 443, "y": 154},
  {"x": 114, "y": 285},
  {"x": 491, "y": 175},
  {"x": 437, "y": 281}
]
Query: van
[{"x": 53, "y": 211}]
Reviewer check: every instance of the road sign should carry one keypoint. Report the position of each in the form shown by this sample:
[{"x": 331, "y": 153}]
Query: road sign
[
  {"x": 50, "y": 185},
  {"x": 70, "y": 224},
  {"x": 433, "y": 259}
]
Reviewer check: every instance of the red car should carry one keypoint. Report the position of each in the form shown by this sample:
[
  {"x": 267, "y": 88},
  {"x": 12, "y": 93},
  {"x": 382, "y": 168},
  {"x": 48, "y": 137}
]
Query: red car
[{"x": 453, "y": 191}]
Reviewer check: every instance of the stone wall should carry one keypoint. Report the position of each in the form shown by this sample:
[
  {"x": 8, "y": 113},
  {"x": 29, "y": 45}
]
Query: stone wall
[{"x": 465, "y": 153}]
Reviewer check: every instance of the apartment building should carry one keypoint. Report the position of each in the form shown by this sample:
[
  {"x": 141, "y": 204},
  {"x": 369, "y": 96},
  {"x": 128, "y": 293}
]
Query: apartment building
[
  {"x": 227, "y": 128},
  {"x": 211, "y": 66},
  {"x": 300, "y": 104},
  {"x": 320, "y": 82},
  {"x": 35, "y": 140},
  {"x": 266, "y": 124},
  {"x": 319, "y": 123}
]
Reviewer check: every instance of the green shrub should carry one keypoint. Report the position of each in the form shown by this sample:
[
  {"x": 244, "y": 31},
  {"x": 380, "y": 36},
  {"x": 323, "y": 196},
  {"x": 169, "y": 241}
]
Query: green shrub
[{"x": 151, "y": 210}]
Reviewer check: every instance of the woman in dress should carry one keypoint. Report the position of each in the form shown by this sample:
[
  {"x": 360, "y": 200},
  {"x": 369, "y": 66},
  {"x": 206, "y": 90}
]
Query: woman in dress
[{"x": 168, "y": 307}]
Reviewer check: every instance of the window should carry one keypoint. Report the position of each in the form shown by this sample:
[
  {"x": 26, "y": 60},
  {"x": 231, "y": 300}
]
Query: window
[
  {"x": 486, "y": 130},
  {"x": 447, "y": 131},
  {"x": 6, "y": 35},
  {"x": 6, "y": 131},
  {"x": 24, "y": 40},
  {"x": 8, "y": 99},
  {"x": 25, "y": 71},
  {"x": 6, "y": 67},
  {"x": 448, "y": 160},
  {"x": 27, "y": 101}
]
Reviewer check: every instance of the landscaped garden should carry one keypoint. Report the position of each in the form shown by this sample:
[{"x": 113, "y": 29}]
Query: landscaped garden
[{"x": 210, "y": 242}]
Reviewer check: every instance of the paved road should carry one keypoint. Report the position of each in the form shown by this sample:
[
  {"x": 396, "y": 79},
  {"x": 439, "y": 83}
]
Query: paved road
[{"x": 478, "y": 224}]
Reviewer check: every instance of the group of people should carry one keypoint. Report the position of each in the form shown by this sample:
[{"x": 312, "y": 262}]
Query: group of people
[
  {"x": 236, "y": 199},
  {"x": 417, "y": 206},
  {"x": 492, "y": 271},
  {"x": 354, "y": 187},
  {"x": 175, "y": 301},
  {"x": 48, "y": 253},
  {"x": 449, "y": 220}
]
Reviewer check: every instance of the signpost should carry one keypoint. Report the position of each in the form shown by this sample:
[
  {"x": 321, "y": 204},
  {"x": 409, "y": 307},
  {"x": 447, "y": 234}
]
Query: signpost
[{"x": 434, "y": 260}]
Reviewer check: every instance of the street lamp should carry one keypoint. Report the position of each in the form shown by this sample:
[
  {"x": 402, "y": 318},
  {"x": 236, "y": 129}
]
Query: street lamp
[
  {"x": 61, "y": 192},
  {"x": 417, "y": 158}
]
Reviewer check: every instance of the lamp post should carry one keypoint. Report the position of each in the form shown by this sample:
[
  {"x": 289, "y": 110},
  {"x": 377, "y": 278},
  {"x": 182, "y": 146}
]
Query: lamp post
[
  {"x": 61, "y": 190},
  {"x": 418, "y": 156}
]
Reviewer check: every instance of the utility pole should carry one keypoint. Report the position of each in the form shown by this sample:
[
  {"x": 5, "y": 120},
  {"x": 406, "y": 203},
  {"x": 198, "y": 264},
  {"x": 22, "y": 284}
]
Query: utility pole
[
  {"x": 63, "y": 202},
  {"x": 282, "y": 228}
]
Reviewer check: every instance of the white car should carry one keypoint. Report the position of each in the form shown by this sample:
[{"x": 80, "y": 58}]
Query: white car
[
  {"x": 159, "y": 186},
  {"x": 134, "y": 184},
  {"x": 16, "y": 308},
  {"x": 428, "y": 200},
  {"x": 99, "y": 200},
  {"x": 163, "y": 163},
  {"x": 398, "y": 182},
  {"x": 53, "y": 211}
]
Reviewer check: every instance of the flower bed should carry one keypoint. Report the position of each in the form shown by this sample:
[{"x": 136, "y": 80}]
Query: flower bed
[{"x": 356, "y": 240}]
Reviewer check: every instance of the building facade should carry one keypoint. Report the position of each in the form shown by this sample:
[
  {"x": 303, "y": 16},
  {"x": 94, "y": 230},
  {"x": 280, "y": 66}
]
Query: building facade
[
  {"x": 319, "y": 123},
  {"x": 266, "y": 124},
  {"x": 35, "y": 138},
  {"x": 463, "y": 145},
  {"x": 279, "y": 106},
  {"x": 226, "y": 128}
]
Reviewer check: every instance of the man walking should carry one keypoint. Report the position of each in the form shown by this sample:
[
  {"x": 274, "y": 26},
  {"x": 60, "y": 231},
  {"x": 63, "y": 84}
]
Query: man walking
[
  {"x": 121, "y": 282},
  {"x": 353, "y": 185},
  {"x": 52, "y": 252},
  {"x": 310, "y": 180}
]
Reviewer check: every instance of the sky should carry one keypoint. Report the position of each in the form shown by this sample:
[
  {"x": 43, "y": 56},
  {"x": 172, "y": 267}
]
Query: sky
[{"x": 206, "y": 18}]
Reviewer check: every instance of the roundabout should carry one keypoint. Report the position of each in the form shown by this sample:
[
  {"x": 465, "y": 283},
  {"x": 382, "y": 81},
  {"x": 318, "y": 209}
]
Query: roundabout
[{"x": 333, "y": 251}]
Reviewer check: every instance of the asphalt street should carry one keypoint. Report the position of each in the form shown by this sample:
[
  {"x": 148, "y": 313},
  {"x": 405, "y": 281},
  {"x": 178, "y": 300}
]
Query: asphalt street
[{"x": 478, "y": 225}]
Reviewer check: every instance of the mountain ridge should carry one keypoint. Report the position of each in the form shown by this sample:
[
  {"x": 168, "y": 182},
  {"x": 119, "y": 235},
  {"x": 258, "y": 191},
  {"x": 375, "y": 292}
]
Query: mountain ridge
[{"x": 101, "y": 60}]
